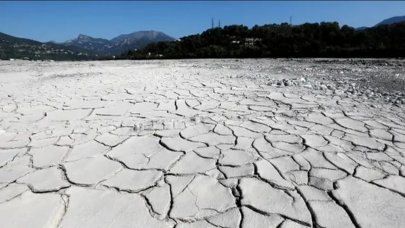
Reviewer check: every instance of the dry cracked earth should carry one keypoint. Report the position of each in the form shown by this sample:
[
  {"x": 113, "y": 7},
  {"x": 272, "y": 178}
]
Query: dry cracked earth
[{"x": 198, "y": 143}]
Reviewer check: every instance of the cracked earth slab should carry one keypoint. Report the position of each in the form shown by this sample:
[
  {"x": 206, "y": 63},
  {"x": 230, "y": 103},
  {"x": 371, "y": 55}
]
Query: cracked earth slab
[{"x": 195, "y": 143}]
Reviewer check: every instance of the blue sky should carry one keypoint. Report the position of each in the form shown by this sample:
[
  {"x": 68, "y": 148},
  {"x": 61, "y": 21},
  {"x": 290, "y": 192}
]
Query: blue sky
[{"x": 59, "y": 21}]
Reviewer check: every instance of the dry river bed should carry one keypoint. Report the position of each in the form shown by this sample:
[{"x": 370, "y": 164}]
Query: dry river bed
[{"x": 202, "y": 143}]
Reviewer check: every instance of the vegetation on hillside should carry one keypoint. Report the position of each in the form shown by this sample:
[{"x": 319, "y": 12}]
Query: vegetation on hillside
[
  {"x": 19, "y": 48},
  {"x": 326, "y": 39}
]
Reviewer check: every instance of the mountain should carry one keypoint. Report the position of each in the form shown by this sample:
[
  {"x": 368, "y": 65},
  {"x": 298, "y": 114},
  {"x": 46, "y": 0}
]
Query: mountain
[
  {"x": 361, "y": 28},
  {"x": 392, "y": 20},
  {"x": 119, "y": 44},
  {"x": 96, "y": 45},
  {"x": 139, "y": 39},
  {"x": 12, "y": 47}
]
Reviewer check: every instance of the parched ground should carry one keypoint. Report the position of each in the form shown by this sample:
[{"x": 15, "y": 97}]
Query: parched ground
[{"x": 202, "y": 143}]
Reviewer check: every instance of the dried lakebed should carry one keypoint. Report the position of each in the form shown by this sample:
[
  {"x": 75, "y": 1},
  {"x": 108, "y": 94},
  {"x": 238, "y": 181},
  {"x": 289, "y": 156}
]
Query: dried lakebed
[{"x": 201, "y": 143}]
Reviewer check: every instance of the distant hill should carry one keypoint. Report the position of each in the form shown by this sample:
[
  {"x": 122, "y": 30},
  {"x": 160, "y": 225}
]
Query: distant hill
[
  {"x": 12, "y": 47},
  {"x": 96, "y": 45},
  {"x": 392, "y": 20},
  {"x": 325, "y": 39},
  {"x": 119, "y": 44},
  {"x": 362, "y": 28}
]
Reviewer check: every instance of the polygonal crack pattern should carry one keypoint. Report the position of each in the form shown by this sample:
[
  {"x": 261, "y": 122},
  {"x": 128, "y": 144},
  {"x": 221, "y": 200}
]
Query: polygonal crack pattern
[{"x": 184, "y": 144}]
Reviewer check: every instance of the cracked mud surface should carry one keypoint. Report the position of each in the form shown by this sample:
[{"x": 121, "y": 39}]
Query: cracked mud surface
[{"x": 197, "y": 143}]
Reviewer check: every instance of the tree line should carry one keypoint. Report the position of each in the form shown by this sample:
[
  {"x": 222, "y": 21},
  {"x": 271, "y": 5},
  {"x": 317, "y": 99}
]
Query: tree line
[{"x": 325, "y": 39}]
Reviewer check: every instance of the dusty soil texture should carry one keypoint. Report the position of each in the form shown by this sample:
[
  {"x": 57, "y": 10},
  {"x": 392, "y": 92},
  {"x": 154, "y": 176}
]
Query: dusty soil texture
[{"x": 202, "y": 143}]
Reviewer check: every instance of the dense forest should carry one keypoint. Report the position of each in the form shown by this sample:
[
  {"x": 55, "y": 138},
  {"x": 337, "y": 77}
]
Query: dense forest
[{"x": 326, "y": 39}]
